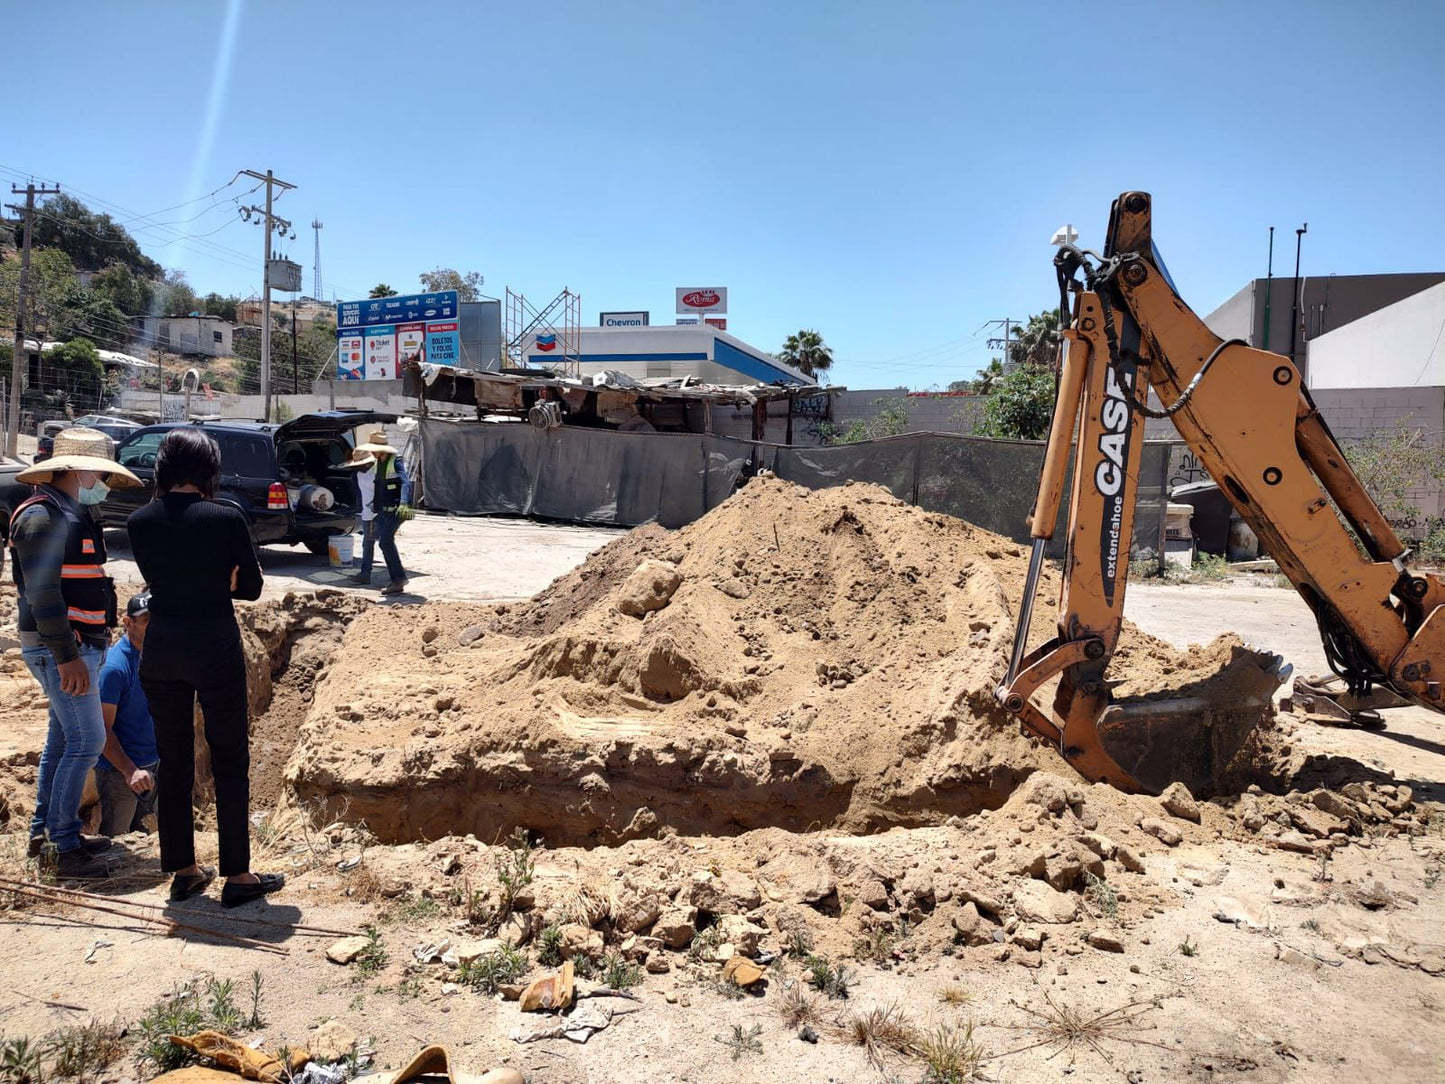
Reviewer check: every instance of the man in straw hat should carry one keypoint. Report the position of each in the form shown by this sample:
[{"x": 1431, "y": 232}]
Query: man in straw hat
[
  {"x": 386, "y": 496},
  {"x": 67, "y": 608}
]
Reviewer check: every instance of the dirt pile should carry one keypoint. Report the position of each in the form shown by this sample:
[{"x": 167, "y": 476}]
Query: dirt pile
[{"x": 793, "y": 659}]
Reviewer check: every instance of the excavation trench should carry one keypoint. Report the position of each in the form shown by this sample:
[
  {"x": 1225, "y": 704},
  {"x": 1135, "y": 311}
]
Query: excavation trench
[{"x": 795, "y": 659}]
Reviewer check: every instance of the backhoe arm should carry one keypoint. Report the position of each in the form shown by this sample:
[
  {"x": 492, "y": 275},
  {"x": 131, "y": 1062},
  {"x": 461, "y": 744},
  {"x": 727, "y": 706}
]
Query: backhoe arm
[{"x": 1248, "y": 418}]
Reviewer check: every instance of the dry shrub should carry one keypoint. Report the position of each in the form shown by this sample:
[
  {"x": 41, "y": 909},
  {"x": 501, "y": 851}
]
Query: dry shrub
[
  {"x": 798, "y": 1007},
  {"x": 950, "y": 1055},
  {"x": 1064, "y": 1027},
  {"x": 880, "y": 1030},
  {"x": 365, "y": 885},
  {"x": 954, "y": 994},
  {"x": 590, "y": 905}
]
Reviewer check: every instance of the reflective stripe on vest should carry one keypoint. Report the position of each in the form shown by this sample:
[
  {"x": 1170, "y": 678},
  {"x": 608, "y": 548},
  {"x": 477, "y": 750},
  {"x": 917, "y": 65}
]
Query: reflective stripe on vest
[
  {"x": 86, "y": 617},
  {"x": 81, "y": 572}
]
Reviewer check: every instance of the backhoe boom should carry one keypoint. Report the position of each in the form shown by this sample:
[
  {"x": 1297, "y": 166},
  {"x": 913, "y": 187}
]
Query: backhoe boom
[{"x": 1247, "y": 416}]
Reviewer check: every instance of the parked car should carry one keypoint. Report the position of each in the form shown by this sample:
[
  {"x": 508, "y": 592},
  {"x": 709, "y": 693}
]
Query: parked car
[
  {"x": 117, "y": 429},
  {"x": 286, "y": 478}
]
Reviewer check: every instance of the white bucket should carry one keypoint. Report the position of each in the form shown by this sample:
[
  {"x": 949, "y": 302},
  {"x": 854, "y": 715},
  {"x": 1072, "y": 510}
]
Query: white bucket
[{"x": 341, "y": 549}]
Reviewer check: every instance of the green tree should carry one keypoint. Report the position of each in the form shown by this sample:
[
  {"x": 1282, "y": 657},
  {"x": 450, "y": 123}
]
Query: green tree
[
  {"x": 92, "y": 241},
  {"x": 71, "y": 375},
  {"x": 132, "y": 294},
  {"x": 960, "y": 385},
  {"x": 174, "y": 296},
  {"x": 468, "y": 286},
  {"x": 93, "y": 316},
  {"x": 1038, "y": 342},
  {"x": 214, "y": 304},
  {"x": 381, "y": 289},
  {"x": 1020, "y": 405},
  {"x": 53, "y": 291},
  {"x": 807, "y": 352}
]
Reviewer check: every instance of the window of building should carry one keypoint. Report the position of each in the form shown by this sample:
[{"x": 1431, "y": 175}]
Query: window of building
[{"x": 216, "y": 337}]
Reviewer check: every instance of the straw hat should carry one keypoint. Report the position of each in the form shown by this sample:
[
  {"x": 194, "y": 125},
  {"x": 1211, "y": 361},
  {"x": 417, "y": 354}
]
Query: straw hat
[
  {"x": 359, "y": 460},
  {"x": 376, "y": 444},
  {"x": 79, "y": 448}
]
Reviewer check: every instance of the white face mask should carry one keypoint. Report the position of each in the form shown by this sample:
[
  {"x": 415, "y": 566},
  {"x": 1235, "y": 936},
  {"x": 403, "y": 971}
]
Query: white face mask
[{"x": 94, "y": 493}]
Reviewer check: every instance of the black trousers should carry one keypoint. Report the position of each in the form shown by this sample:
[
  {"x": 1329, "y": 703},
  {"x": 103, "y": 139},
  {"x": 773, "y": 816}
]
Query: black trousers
[{"x": 184, "y": 661}]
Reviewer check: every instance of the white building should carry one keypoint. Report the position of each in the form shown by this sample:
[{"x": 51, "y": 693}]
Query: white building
[
  {"x": 206, "y": 335},
  {"x": 704, "y": 353}
]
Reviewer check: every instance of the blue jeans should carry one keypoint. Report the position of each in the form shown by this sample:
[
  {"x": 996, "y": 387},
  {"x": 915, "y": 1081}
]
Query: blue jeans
[
  {"x": 74, "y": 741},
  {"x": 382, "y": 531}
]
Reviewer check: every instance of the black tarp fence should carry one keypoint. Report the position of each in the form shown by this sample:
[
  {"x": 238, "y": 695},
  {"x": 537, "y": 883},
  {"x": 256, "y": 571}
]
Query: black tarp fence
[{"x": 607, "y": 477}]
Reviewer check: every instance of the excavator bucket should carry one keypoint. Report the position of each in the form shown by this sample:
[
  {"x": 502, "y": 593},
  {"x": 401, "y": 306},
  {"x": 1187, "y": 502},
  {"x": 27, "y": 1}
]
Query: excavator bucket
[{"x": 1195, "y": 740}]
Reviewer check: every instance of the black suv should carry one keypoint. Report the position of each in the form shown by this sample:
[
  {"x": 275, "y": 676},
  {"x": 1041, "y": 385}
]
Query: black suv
[{"x": 285, "y": 478}]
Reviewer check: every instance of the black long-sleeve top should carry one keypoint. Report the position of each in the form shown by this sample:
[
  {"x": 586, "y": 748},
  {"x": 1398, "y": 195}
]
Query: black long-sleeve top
[{"x": 186, "y": 547}]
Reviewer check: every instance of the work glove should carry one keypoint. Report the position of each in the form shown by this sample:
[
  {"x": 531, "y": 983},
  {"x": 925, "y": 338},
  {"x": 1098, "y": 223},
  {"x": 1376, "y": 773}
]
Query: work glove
[{"x": 405, "y": 514}]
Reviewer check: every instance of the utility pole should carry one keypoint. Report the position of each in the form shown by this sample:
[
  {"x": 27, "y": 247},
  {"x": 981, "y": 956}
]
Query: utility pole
[
  {"x": 1268, "y": 292},
  {"x": 295, "y": 382},
  {"x": 1294, "y": 315},
  {"x": 12, "y": 417},
  {"x": 1008, "y": 323},
  {"x": 270, "y": 222}
]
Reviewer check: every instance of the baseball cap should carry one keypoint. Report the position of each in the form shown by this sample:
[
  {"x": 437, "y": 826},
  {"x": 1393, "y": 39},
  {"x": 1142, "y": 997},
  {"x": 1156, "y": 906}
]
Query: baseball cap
[{"x": 138, "y": 604}]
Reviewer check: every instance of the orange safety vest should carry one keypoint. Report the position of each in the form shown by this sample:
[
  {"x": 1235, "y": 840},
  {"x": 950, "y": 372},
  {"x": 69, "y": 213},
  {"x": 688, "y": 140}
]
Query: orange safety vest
[{"x": 89, "y": 593}]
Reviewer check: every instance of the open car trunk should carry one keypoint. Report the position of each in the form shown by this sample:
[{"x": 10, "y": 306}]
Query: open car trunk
[{"x": 312, "y": 451}]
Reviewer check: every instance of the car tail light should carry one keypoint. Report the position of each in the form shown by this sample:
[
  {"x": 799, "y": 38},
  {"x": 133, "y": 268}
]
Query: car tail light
[{"x": 276, "y": 497}]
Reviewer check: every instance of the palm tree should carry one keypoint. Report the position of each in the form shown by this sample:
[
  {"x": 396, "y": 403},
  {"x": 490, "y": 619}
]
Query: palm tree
[
  {"x": 1038, "y": 342},
  {"x": 807, "y": 352},
  {"x": 382, "y": 289},
  {"x": 988, "y": 379}
]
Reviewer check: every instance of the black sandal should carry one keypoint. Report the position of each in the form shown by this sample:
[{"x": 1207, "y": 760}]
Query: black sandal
[
  {"x": 234, "y": 895},
  {"x": 183, "y": 887}
]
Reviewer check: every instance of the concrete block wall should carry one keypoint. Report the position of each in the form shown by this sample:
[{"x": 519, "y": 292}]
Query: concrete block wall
[{"x": 927, "y": 413}]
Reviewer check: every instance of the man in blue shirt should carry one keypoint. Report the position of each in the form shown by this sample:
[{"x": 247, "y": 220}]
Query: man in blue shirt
[{"x": 126, "y": 772}]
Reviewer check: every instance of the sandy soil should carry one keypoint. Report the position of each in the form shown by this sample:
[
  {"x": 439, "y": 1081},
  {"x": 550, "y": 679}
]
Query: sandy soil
[{"x": 1301, "y": 968}]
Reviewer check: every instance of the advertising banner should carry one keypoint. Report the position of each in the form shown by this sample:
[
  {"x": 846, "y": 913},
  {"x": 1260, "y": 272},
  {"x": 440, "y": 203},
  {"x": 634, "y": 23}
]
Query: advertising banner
[
  {"x": 410, "y": 343},
  {"x": 719, "y": 322},
  {"x": 441, "y": 305},
  {"x": 350, "y": 357},
  {"x": 686, "y": 320},
  {"x": 444, "y": 343},
  {"x": 702, "y": 299},
  {"x": 380, "y": 353}
]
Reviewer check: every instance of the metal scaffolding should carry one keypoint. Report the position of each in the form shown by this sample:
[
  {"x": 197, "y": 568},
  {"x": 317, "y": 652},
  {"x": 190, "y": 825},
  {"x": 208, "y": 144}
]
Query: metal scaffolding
[{"x": 557, "y": 327}]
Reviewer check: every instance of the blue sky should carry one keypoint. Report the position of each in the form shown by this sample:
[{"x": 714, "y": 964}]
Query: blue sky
[{"x": 887, "y": 173}]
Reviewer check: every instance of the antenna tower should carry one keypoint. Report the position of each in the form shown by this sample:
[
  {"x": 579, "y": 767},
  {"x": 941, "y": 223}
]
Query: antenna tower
[{"x": 316, "y": 267}]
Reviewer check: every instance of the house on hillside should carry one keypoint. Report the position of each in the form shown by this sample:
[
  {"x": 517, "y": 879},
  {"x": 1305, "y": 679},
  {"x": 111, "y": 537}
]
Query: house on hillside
[{"x": 205, "y": 336}]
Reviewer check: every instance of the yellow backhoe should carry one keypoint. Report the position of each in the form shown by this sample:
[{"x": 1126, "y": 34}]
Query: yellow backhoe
[{"x": 1250, "y": 420}]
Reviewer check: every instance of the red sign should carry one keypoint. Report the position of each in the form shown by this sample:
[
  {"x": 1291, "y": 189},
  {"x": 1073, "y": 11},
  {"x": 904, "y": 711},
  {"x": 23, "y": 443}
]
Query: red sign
[
  {"x": 719, "y": 322},
  {"x": 701, "y": 299}
]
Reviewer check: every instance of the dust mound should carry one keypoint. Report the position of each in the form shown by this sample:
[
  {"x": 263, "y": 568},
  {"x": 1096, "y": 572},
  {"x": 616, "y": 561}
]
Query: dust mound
[{"x": 828, "y": 659}]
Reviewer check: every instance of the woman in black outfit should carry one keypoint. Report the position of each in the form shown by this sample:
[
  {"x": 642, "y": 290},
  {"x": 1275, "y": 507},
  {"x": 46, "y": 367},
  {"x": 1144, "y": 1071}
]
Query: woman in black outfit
[{"x": 197, "y": 556}]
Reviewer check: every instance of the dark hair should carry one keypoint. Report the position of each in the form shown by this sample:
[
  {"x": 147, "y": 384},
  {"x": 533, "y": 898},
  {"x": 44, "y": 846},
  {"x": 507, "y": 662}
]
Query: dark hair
[{"x": 188, "y": 456}]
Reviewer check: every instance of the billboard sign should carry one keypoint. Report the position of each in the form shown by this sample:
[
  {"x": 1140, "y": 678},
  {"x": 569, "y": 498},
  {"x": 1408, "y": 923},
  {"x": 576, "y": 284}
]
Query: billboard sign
[
  {"x": 380, "y": 353},
  {"x": 719, "y": 322},
  {"x": 702, "y": 299},
  {"x": 410, "y": 343},
  {"x": 374, "y": 337},
  {"x": 683, "y": 321},
  {"x": 443, "y": 343},
  {"x": 623, "y": 319},
  {"x": 350, "y": 357},
  {"x": 441, "y": 305}
]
